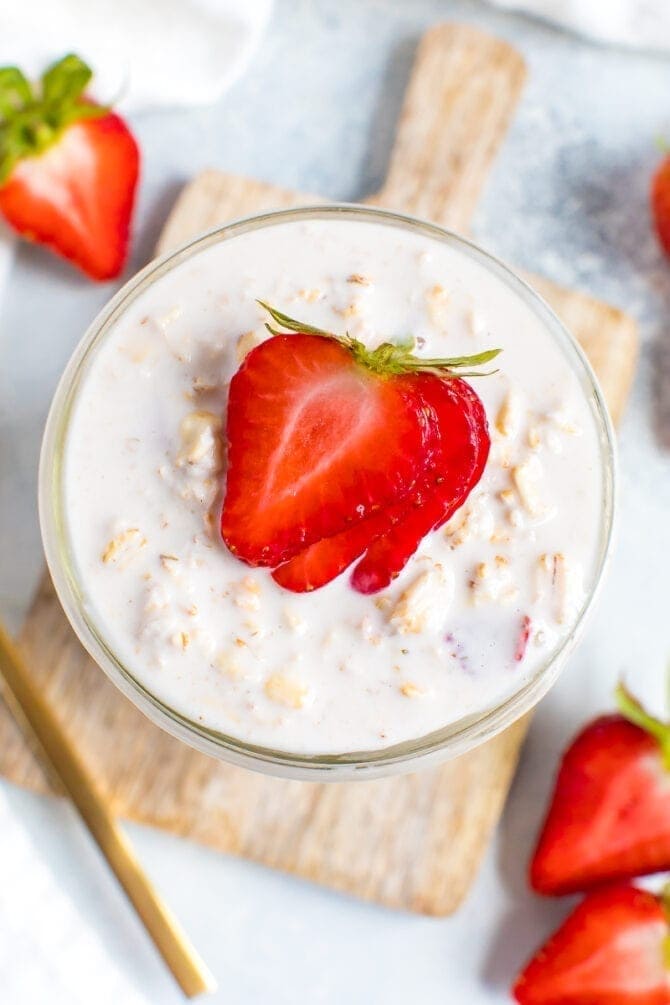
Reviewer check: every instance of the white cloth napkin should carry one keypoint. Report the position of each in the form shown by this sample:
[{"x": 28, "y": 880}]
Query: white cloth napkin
[
  {"x": 45, "y": 942},
  {"x": 145, "y": 53},
  {"x": 639, "y": 24}
]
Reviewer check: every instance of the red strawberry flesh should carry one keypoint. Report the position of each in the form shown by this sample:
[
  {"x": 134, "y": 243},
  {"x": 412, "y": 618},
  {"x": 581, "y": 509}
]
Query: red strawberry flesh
[
  {"x": 68, "y": 167},
  {"x": 316, "y": 443},
  {"x": 324, "y": 560},
  {"x": 609, "y": 951},
  {"x": 522, "y": 639},
  {"x": 456, "y": 464},
  {"x": 465, "y": 449},
  {"x": 77, "y": 197},
  {"x": 660, "y": 202},
  {"x": 609, "y": 818}
]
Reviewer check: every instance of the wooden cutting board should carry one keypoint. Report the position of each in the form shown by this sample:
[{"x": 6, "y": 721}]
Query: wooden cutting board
[{"x": 411, "y": 842}]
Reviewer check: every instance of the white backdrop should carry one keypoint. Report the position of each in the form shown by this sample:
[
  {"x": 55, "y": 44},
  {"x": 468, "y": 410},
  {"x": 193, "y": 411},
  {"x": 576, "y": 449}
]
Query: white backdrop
[{"x": 567, "y": 198}]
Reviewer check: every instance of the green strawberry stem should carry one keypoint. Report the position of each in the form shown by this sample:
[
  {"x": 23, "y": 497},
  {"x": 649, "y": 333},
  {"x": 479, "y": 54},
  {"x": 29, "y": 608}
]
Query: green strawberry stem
[
  {"x": 33, "y": 118},
  {"x": 388, "y": 358},
  {"x": 632, "y": 710}
]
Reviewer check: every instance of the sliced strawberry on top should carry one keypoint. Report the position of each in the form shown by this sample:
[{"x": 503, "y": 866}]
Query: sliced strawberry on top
[
  {"x": 464, "y": 457},
  {"x": 609, "y": 817},
  {"x": 315, "y": 442},
  {"x": 322, "y": 434},
  {"x": 612, "y": 950},
  {"x": 68, "y": 168},
  {"x": 456, "y": 462},
  {"x": 327, "y": 558}
]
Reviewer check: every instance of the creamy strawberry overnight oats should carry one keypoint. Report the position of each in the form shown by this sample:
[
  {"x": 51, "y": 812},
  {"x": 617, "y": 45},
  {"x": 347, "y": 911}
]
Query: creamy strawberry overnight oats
[{"x": 300, "y": 541}]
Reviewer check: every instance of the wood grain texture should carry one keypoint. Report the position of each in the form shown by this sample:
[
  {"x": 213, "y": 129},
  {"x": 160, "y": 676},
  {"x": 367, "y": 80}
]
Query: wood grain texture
[
  {"x": 214, "y": 198},
  {"x": 607, "y": 335},
  {"x": 459, "y": 103},
  {"x": 412, "y": 842}
]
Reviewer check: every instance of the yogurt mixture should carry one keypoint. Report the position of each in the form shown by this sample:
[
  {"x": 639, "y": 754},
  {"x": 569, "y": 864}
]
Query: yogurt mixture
[{"x": 478, "y": 609}]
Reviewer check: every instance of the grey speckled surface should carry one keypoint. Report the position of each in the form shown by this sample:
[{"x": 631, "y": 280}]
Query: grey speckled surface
[{"x": 568, "y": 198}]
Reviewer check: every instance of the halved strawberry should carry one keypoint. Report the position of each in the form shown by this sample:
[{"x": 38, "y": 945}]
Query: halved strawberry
[
  {"x": 609, "y": 817},
  {"x": 463, "y": 458},
  {"x": 612, "y": 950},
  {"x": 456, "y": 461},
  {"x": 322, "y": 434},
  {"x": 68, "y": 168}
]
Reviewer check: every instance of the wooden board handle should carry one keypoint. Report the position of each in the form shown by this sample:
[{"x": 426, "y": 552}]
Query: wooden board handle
[{"x": 462, "y": 93}]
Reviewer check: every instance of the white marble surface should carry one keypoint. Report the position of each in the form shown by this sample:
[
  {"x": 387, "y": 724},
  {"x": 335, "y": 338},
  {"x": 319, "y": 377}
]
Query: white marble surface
[{"x": 568, "y": 198}]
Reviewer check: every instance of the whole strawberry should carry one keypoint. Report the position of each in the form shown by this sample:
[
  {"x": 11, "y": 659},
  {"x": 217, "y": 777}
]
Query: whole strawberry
[
  {"x": 660, "y": 202},
  {"x": 68, "y": 168}
]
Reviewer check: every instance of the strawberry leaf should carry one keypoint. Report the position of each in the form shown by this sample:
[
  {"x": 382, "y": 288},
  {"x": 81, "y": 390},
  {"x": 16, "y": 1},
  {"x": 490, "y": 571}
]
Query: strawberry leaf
[
  {"x": 389, "y": 357},
  {"x": 15, "y": 91},
  {"x": 634, "y": 711},
  {"x": 32, "y": 120},
  {"x": 64, "y": 82},
  {"x": 290, "y": 323}
]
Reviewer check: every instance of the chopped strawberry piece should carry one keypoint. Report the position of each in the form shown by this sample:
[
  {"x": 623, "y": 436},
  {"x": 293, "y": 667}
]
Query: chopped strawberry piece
[
  {"x": 660, "y": 202},
  {"x": 465, "y": 451},
  {"x": 609, "y": 951},
  {"x": 609, "y": 817},
  {"x": 315, "y": 444},
  {"x": 68, "y": 169},
  {"x": 522, "y": 641}
]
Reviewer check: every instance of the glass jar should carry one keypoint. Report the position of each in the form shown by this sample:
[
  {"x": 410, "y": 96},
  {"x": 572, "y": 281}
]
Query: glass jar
[{"x": 454, "y": 739}]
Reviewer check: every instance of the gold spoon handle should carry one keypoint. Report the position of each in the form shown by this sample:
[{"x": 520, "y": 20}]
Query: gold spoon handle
[{"x": 34, "y": 714}]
